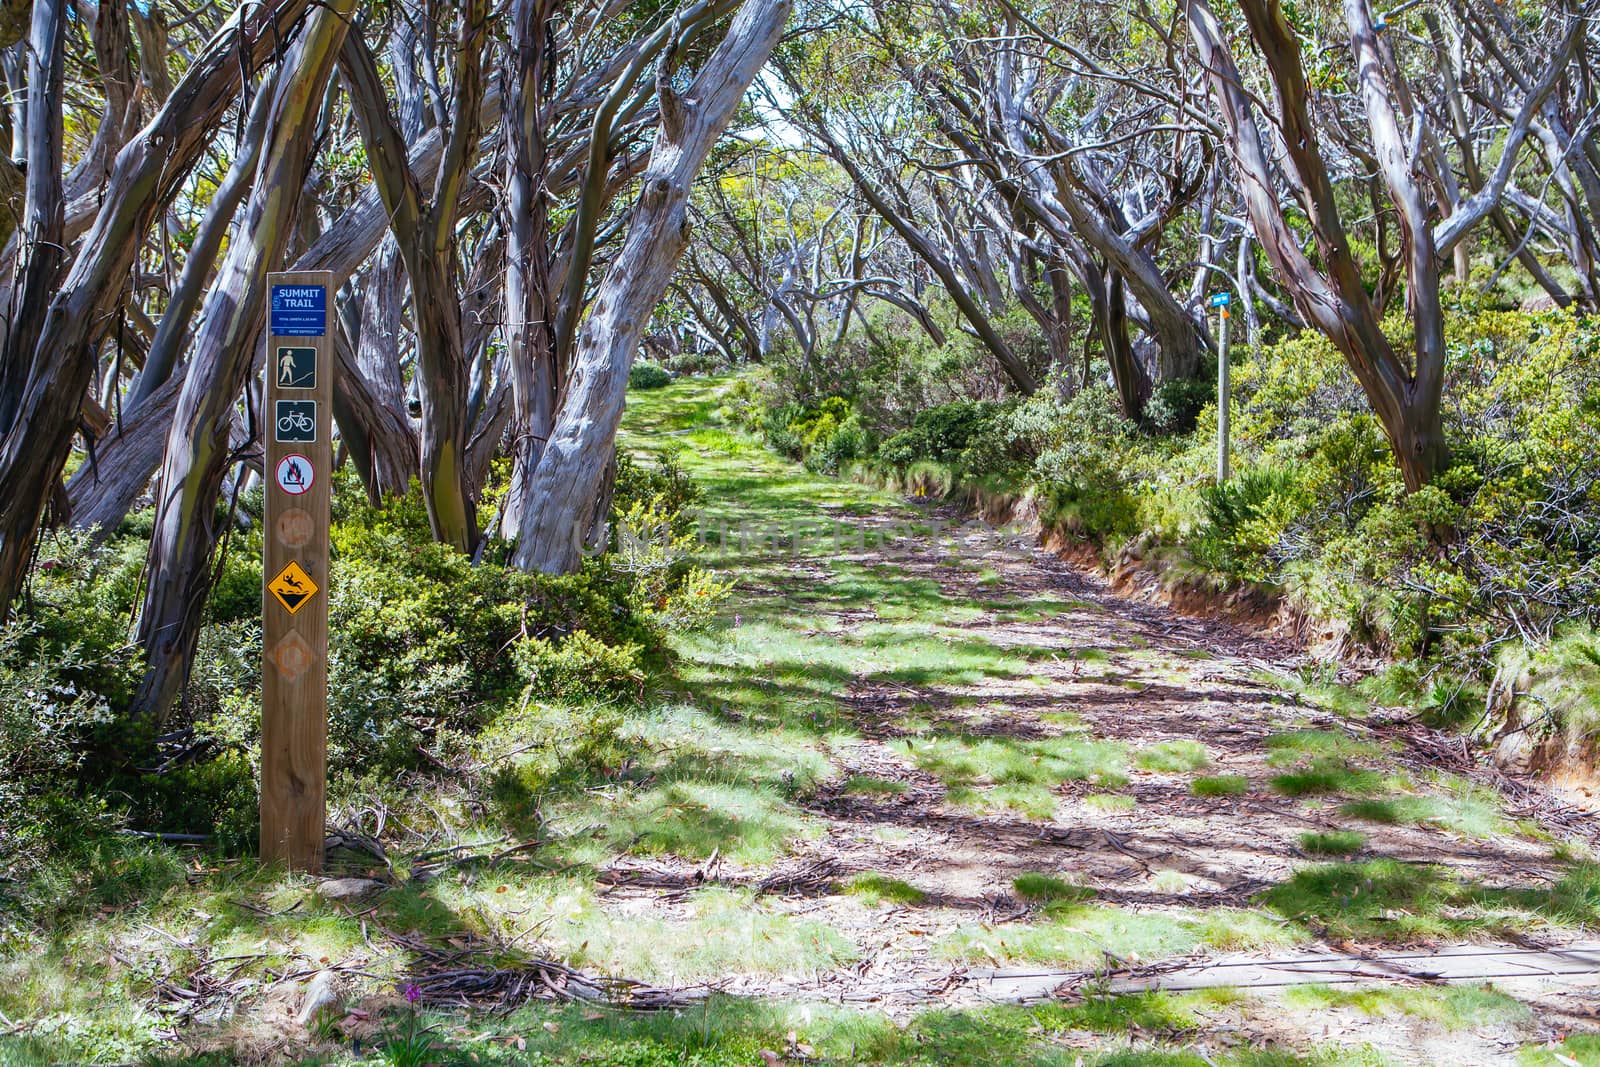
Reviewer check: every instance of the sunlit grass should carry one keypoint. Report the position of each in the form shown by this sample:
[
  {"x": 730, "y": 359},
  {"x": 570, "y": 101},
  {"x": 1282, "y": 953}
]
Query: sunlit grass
[
  {"x": 1173, "y": 757},
  {"x": 874, "y": 888},
  {"x": 1463, "y": 809},
  {"x": 1387, "y": 900},
  {"x": 717, "y": 932},
  {"x": 1294, "y": 746},
  {"x": 1088, "y": 935},
  {"x": 1453, "y": 1007}
]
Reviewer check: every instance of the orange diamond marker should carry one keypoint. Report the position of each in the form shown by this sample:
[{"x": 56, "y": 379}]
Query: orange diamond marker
[{"x": 292, "y": 656}]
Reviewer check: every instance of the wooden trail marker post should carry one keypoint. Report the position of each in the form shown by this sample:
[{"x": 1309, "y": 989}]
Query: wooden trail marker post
[{"x": 297, "y": 465}]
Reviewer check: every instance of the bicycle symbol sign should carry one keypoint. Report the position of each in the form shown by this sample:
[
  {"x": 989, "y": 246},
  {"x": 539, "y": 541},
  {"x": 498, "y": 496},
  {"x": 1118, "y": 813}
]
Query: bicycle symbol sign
[{"x": 296, "y": 421}]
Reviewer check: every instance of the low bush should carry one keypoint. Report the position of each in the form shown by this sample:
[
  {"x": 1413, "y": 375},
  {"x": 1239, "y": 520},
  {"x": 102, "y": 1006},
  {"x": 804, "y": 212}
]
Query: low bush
[
  {"x": 648, "y": 376},
  {"x": 427, "y": 650}
]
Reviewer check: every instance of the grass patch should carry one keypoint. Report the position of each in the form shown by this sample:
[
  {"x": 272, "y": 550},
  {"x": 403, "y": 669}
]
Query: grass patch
[
  {"x": 1084, "y": 935},
  {"x": 719, "y": 931},
  {"x": 1296, "y": 746},
  {"x": 1143, "y": 1030},
  {"x": 965, "y": 760},
  {"x": 1047, "y": 889},
  {"x": 1220, "y": 785},
  {"x": 1327, "y": 776},
  {"x": 1111, "y": 801},
  {"x": 1333, "y": 843},
  {"x": 874, "y": 888},
  {"x": 866, "y": 785},
  {"x": 1453, "y": 1007},
  {"x": 1385, "y": 900},
  {"x": 1468, "y": 810},
  {"x": 1173, "y": 757}
]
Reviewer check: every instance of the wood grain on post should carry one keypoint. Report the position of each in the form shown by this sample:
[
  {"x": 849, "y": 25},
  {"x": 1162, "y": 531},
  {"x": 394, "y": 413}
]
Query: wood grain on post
[{"x": 296, "y": 428}]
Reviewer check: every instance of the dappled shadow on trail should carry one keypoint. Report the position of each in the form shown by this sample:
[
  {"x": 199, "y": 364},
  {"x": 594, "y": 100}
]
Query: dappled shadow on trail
[{"x": 992, "y": 716}]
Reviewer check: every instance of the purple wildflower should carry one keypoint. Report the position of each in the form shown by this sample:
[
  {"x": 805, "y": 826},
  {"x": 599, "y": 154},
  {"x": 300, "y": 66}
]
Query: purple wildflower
[{"x": 413, "y": 994}]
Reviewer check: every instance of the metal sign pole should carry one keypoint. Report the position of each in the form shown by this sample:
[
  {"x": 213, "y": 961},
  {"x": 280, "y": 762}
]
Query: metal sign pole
[
  {"x": 297, "y": 464},
  {"x": 1224, "y": 387}
]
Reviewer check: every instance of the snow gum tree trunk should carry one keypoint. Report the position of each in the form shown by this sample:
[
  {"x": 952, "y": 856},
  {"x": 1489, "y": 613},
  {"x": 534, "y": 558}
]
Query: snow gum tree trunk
[
  {"x": 425, "y": 230},
  {"x": 197, "y": 445},
  {"x": 531, "y": 356},
  {"x": 560, "y": 498},
  {"x": 1334, "y": 299},
  {"x": 149, "y": 171}
]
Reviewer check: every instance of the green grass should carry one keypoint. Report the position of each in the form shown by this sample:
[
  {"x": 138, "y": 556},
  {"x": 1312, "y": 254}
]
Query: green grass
[
  {"x": 1295, "y": 746},
  {"x": 1452, "y": 1007},
  {"x": 874, "y": 888},
  {"x": 998, "y": 773},
  {"x": 1173, "y": 757},
  {"x": 1327, "y": 776},
  {"x": 1465, "y": 809},
  {"x": 1333, "y": 843},
  {"x": 1385, "y": 900},
  {"x": 1049, "y": 890},
  {"x": 1220, "y": 785},
  {"x": 1146, "y": 1030},
  {"x": 1087, "y": 935}
]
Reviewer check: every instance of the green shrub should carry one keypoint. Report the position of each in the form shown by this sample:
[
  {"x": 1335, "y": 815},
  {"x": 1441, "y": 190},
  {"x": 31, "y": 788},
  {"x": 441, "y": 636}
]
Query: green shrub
[
  {"x": 45, "y": 722},
  {"x": 579, "y": 669},
  {"x": 1559, "y": 683},
  {"x": 663, "y": 485},
  {"x": 1246, "y": 519},
  {"x": 1175, "y": 405},
  {"x": 648, "y": 376}
]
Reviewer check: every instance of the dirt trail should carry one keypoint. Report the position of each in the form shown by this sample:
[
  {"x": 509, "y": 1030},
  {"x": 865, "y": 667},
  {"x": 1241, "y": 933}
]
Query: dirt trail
[
  {"x": 1133, "y": 674},
  {"x": 994, "y": 713}
]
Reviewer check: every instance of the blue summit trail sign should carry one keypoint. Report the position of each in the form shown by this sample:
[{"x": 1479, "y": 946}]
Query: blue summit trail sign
[
  {"x": 297, "y": 428},
  {"x": 299, "y": 310}
]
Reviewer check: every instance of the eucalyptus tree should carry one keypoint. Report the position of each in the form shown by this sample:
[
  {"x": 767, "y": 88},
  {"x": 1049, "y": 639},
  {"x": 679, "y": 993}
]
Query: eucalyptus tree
[
  {"x": 595, "y": 100},
  {"x": 78, "y": 257},
  {"x": 865, "y": 121},
  {"x": 1331, "y": 293},
  {"x": 425, "y": 230},
  {"x": 197, "y": 452},
  {"x": 1102, "y": 152},
  {"x": 1072, "y": 158},
  {"x": 563, "y": 493},
  {"x": 784, "y": 246}
]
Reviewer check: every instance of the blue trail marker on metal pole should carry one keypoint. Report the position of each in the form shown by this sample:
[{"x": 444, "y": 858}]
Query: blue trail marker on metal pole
[{"x": 1220, "y": 301}]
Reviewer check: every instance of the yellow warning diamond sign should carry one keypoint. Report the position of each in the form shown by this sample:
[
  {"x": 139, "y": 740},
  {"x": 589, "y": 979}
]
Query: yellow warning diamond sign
[{"x": 293, "y": 587}]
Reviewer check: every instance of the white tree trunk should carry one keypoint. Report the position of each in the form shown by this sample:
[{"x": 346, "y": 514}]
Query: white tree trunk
[{"x": 561, "y": 495}]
